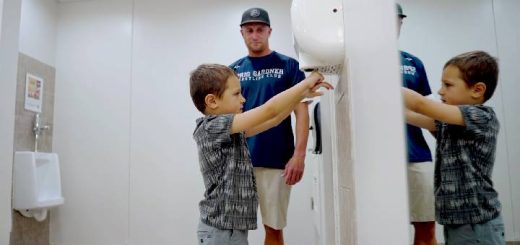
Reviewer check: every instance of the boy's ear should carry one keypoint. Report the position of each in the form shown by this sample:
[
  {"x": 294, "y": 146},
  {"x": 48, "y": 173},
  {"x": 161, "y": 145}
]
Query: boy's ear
[
  {"x": 211, "y": 101},
  {"x": 478, "y": 90}
]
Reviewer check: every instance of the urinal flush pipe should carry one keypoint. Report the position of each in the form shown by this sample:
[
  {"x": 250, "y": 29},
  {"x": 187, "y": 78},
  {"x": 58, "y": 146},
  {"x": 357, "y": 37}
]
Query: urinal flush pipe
[{"x": 38, "y": 128}]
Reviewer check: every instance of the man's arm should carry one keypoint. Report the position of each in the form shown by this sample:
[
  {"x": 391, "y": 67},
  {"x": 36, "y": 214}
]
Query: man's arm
[{"x": 294, "y": 168}]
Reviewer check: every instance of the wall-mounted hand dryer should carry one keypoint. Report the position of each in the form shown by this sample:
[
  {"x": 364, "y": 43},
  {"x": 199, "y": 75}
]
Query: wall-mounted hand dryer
[{"x": 319, "y": 34}]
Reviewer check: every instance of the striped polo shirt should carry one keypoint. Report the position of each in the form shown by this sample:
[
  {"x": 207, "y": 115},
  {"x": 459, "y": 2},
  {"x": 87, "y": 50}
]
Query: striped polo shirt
[
  {"x": 230, "y": 200},
  {"x": 464, "y": 192}
]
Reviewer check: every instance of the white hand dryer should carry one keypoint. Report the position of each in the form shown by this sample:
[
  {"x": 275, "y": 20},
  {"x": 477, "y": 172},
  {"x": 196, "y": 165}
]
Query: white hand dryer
[{"x": 319, "y": 35}]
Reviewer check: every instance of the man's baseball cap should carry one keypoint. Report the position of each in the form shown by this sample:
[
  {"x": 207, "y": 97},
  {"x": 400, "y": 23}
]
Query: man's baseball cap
[
  {"x": 257, "y": 15},
  {"x": 400, "y": 11}
]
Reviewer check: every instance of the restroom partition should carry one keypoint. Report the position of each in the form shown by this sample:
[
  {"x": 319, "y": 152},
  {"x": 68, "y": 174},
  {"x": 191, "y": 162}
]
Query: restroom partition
[
  {"x": 362, "y": 178},
  {"x": 360, "y": 174}
]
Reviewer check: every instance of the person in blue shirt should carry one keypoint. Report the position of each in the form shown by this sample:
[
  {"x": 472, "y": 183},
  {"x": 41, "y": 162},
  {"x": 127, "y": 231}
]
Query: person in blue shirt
[
  {"x": 420, "y": 166},
  {"x": 466, "y": 130},
  {"x": 277, "y": 157}
]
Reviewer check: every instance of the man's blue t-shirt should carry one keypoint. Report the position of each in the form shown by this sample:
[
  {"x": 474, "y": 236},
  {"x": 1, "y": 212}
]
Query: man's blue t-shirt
[
  {"x": 414, "y": 78},
  {"x": 262, "y": 78}
]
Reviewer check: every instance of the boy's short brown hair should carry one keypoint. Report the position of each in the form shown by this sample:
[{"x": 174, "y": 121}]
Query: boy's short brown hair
[
  {"x": 477, "y": 66},
  {"x": 208, "y": 79}
]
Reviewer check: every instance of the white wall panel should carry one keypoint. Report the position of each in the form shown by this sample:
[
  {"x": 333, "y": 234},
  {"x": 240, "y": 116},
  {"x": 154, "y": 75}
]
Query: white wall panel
[
  {"x": 1, "y": 14},
  {"x": 92, "y": 122},
  {"x": 38, "y": 30},
  {"x": 9, "y": 30},
  {"x": 508, "y": 42}
]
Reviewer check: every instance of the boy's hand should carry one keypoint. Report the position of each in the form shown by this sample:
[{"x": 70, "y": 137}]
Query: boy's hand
[{"x": 314, "y": 82}]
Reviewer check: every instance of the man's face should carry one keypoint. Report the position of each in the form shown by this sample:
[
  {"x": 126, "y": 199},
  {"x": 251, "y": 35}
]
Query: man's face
[{"x": 256, "y": 37}]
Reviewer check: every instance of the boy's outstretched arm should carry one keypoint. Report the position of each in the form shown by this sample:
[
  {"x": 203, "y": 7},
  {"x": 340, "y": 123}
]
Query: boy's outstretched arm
[
  {"x": 279, "y": 107},
  {"x": 269, "y": 123},
  {"x": 415, "y": 102}
]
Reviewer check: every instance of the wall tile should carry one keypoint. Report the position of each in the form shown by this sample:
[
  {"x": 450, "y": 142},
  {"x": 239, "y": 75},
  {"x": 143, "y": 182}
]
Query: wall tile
[{"x": 28, "y": 230}]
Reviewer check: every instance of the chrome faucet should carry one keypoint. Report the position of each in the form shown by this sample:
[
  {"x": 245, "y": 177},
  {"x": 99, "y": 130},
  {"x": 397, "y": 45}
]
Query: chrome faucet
[{"x": 38, "y": 129}]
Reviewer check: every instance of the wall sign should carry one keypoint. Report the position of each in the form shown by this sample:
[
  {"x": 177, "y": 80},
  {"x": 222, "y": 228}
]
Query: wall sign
[{"x": 33, "y": 93}]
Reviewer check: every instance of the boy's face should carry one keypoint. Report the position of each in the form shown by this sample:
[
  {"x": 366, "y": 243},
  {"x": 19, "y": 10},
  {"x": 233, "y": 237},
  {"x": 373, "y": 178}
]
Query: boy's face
[
  {"x": 231, "y": 100},
  {"x": 454, "y": 90}
]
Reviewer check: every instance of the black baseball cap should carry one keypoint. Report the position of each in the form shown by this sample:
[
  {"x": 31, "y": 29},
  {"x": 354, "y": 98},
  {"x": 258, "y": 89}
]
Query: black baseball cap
[
  {"x": 255, "y": 15},
  {"x": 400, "y": 11}
]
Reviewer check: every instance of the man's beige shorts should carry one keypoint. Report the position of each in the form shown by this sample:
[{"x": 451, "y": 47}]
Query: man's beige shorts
[
  {"x": 420, "y": 192},
  {"x": 273, "y": 195}
]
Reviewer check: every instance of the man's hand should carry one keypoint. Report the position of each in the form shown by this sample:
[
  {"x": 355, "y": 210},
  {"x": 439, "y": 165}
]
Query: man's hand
[{"x": 293, "y": 171}]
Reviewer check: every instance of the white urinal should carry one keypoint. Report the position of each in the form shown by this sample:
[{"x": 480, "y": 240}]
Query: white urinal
[{"x": 36, "y": 183}]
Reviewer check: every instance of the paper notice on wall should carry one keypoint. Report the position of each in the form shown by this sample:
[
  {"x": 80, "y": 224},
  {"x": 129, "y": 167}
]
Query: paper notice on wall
[{"x": 33, "y": 93}]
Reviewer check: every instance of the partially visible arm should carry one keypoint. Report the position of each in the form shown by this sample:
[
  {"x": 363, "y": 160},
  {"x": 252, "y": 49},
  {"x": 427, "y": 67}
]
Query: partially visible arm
[
  {"x": 294, "y": 169},
  {"x": 301, "y": 113},
  {"x": 435, "y": 110},
  {"x": 420, "y": 120}
]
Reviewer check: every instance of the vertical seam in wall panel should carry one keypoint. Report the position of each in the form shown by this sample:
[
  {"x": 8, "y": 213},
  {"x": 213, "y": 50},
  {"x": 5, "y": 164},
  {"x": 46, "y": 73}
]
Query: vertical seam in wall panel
[
  {"x": 504, "y": 128},
  {"x": 132, "y": 19}
]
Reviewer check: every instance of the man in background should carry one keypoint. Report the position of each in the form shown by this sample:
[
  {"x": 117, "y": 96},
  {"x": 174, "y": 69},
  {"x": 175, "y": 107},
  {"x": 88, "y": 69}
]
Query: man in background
[{"x": 277, "y": 158}]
